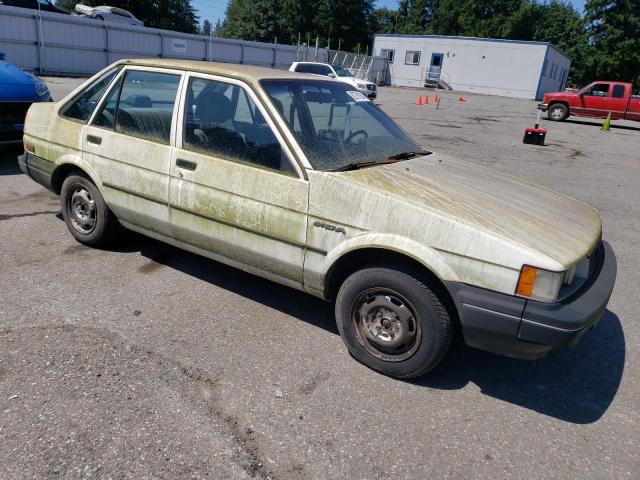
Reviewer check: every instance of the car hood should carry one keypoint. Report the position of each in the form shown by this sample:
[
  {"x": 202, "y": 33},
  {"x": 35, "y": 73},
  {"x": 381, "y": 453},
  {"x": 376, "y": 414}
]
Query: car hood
[
  {"x": 541, "y": 220},
  {"x": 354, "y": 80},
  {"x": 561, "y": 95},
  {"x": 15, "y": 84}
]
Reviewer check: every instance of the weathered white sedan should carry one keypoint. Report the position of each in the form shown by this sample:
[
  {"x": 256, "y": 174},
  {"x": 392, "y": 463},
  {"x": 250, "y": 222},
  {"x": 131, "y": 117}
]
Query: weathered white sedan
[{"x": 307, "y": 183}]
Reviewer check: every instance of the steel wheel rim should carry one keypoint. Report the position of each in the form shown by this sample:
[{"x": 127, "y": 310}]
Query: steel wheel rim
[
  {"x": 386, "y": 324},
  {"x": 82, "y": 210},
  {"x": 557, "y": 113}
]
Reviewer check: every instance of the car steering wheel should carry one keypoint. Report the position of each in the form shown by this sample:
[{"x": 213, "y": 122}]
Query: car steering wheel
[{"x": 354, "y": 134}]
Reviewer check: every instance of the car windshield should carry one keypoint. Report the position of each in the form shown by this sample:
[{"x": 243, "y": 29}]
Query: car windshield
[
  {"x": 341, "y": 71},
  {"x": 337, "y": 126}
]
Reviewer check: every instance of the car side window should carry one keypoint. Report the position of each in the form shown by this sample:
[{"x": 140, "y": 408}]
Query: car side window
[
  {"x": 618, "y": 91},
  {"x": 81, "y": 107},
  {"x": 598, "y": 90},
  {"x": 142, "y": 105},
  {"x": 222, "y": 119},
  {"x": 302, "y": 68}
]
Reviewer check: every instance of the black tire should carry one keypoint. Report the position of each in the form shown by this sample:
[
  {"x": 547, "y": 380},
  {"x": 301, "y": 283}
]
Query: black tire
[
  {"x": 85, "y": 212},
  {"x": 557, "y": 112},
  {"x": 376, "y": 334}
]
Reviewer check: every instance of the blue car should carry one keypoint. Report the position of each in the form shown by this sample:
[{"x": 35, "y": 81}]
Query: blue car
[{"x": 18, "y": 90}]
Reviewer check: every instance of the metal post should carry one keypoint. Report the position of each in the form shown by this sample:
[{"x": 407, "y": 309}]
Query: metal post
[
  {"x": 275, "y": 47},
  {"x": 161, "y": 45},
  {"x": 106, "y": 43},
  {"x": 316, "y": 53},
  {"x": 242, "y": 52},
  {"x": 40, "y": 34}
]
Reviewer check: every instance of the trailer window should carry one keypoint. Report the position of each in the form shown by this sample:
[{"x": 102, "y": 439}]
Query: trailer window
[
  {"x": 412, "y": 58},
  {"x": 388, "y": 54}
]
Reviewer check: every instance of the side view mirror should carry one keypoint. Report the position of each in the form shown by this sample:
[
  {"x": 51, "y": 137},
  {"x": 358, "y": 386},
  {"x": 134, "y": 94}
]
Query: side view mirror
[{"x": 331, "y": 75}]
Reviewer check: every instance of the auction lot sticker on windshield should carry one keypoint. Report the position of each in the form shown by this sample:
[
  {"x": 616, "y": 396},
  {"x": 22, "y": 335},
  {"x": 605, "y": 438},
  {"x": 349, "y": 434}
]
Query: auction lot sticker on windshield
[{"x": 357, "y": 96}]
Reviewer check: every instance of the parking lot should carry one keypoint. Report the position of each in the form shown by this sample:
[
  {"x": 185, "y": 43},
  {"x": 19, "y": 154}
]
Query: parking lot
[{"x": 143, "y": 361}]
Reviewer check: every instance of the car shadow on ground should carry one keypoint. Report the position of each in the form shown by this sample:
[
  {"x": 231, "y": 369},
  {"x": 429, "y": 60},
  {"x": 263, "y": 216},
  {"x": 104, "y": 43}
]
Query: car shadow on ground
[
  {"x": 596, "y": 124},
  {"x": 9, "y": 161},
  {"x": 575, "y": 384}
]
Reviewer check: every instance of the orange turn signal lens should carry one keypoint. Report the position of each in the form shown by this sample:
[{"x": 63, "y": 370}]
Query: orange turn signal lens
[
  {"x": 29, "y": 147},
  {"x": 526, "y": 281}
]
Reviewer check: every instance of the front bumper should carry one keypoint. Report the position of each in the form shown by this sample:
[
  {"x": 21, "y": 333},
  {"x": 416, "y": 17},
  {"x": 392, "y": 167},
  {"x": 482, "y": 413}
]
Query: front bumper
[
  {"x": 522, "y": 328},
  {"x": 11, "y": 134},
  {"x": 543, "y": 107}
]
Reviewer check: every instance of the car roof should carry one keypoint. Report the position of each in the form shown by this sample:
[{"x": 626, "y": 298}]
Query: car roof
[
  {"x": 248, "y": 73},
  {"x": 315, "y": 63}
]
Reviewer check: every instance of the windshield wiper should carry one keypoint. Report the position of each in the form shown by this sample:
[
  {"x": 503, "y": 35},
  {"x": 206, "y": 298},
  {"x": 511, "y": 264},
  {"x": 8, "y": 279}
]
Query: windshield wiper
[
  {"x": 407, "y": 155},
  {"x": 358, "y": 165}
]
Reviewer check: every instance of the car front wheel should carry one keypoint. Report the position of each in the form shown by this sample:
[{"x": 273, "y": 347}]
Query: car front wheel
[
  {"x": 558, "y": 112},
  {"x": 85, "y": 212},
  {"x": 393, "y": 322}
]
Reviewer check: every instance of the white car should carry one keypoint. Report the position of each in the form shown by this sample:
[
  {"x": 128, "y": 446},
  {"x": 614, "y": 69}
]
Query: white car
[
  {"x": 338, "y": 72},
  {"x": 108, "y": 14}
]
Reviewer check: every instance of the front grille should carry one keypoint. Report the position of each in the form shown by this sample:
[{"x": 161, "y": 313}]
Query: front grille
[{"x": 13, "y": 112}]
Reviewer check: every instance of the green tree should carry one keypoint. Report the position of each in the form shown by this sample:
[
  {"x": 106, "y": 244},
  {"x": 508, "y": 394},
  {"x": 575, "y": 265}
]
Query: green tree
[
  {"x": 206, "y": 28},
  {"x": 384, "y": 20},
  {"x": 346, "y": 20},
  {"x": 561, "y": 25},
  {"x": 416, "y": 15},
  {"x": 218, "y": 28},
  {"x": 177, "y": 15},
  {"x": 299, "y": 17},
  {"x": 614, "y": 36},
  {"x": 258, "y": 20}
]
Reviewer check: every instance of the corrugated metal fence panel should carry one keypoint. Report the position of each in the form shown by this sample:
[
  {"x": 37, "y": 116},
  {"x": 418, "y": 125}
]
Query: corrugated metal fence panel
[
  {"x": 54, "y": 43},
  {"x": 19, "y": 38}
]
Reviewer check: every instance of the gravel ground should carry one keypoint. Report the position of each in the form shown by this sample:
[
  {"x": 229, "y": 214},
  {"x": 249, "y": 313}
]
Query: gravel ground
[{"x": 144, "y": 361}]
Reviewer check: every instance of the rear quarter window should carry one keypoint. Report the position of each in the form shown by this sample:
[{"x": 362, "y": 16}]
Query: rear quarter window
[
  {"x": 82, "y": 105},
  {"x": 618, "y": 91}
]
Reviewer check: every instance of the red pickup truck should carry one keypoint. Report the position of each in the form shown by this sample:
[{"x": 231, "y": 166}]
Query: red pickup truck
[{"x": 595, "y": 100}]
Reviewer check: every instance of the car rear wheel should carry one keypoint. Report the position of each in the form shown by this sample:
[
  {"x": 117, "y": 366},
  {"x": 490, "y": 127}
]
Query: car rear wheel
[
  {"x": 393, "y": 322},
  {"x": 85, "y": 212},
  {"x": 558, "y": 112}
]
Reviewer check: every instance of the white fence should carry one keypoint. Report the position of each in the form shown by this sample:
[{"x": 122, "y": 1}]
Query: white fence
[{"x": 58, "y": 44}]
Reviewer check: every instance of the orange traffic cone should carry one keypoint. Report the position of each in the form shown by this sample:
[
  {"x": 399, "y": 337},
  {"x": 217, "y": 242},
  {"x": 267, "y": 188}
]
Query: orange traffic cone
[
  {"x": 419, "y": 101},
  {"x": 462, "y": 99},
  {"x": 436, "y": 98},
  {"x": 426, "y": 99}
]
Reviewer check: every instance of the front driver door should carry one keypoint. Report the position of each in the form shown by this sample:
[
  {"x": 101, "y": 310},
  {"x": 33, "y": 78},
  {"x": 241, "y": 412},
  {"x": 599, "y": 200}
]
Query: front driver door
[
  {"x": 595, "y": 100},
  {"x": 235, "y": 190}
]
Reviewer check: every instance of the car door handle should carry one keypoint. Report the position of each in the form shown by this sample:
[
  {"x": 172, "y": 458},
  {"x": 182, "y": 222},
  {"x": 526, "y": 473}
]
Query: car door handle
[
  {"x": 186, "y": 164},
  {"x": 94, "y": 139}
]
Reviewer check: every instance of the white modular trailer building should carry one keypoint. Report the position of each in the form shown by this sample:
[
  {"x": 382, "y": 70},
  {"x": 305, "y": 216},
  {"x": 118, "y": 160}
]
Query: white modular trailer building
[{"x": 511, "y": 68}]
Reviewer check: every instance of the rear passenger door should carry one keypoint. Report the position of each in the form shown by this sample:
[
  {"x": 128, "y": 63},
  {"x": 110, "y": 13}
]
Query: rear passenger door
[
  {"x": 236, "y": 190},
  {"x": 129, "y": 144}
]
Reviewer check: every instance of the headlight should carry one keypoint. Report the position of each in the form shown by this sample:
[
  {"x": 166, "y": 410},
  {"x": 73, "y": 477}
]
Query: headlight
[
  {"x": 538, "y": 284},
  {"x": 362, "y": 86},
  {"x": 41, "y": 87}
]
